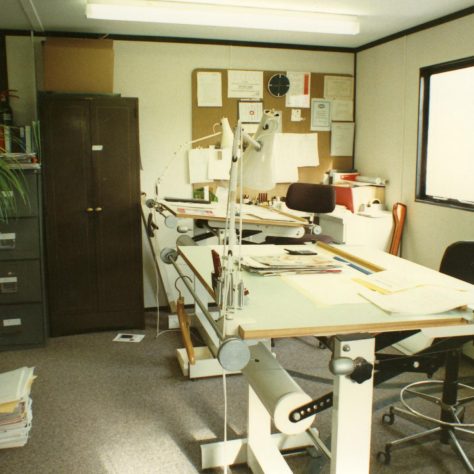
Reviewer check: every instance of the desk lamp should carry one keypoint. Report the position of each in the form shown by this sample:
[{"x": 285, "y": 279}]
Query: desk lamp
[
  {"x": 233, "y": 354},
  {"x": 255, "y": 168}
]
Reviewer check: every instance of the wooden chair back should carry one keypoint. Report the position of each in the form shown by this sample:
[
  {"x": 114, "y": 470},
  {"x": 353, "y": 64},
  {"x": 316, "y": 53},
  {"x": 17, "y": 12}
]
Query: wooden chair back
[{"x": 399, "y": 212}]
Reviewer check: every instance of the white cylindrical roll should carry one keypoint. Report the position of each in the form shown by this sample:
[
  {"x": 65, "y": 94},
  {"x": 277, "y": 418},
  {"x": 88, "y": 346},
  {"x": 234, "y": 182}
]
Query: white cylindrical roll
[
  {"x": 286, "y": 404},
  {"x": 278, "y": 392},
  {"x": 372, "y": 180}
]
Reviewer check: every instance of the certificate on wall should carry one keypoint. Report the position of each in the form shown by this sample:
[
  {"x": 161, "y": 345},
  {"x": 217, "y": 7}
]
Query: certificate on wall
[
  {"x": 338, "y": 87},
  {"x": 209, "y": 89},
  {"x": 320, "y": 115},
  {"x": 342, "y": 110},
  {"x": 245, "y": 84}
]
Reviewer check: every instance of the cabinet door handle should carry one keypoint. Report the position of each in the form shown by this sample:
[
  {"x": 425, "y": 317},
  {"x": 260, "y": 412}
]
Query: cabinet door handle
[
  {"x": 98, "y": 209},
  {"x": 89, "y": 209}
]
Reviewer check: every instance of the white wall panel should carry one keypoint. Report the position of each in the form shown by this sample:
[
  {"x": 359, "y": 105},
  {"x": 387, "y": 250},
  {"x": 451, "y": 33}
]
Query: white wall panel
[{"x": 387, "y": 123}]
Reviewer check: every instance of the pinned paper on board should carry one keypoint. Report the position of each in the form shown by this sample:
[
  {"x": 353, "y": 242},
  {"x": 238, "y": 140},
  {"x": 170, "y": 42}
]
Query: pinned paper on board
[
  {"x": 245, "y": 84},
  {"x": 208, "y": 164},
  {"x": 300, "y": 88},
  {"x": 198, "y": 162},
  {"x": 342, "y": 138},
  {"x": 209, "y": 89},
  {"x": 219, "y": 163},
  {"x": 250, "y": 111}
]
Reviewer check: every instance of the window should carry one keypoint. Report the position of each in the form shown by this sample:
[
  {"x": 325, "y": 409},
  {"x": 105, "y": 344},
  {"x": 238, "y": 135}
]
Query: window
[{"x": 445, "y": 171}]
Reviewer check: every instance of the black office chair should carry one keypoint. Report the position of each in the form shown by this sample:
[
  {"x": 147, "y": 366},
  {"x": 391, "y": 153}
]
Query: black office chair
[
  {"x": 457, "y": 261},
  {"x": 312, "y": 198}
]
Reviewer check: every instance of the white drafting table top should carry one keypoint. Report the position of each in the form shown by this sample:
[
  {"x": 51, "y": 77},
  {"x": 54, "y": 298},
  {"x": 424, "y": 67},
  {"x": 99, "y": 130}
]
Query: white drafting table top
[
  {"x": 250, "y": 214},
  {"x": 324, "y": 304}
]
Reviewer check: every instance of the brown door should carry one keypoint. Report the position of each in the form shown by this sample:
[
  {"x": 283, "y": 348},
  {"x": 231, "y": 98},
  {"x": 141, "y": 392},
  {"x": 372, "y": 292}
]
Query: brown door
[{"x": 92, "y": 221}]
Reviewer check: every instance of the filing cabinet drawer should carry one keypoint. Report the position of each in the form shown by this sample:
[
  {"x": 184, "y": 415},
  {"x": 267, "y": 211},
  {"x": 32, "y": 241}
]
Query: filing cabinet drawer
[
  {"x": 20, "y": 281},
  {"x": 19, "y": 238},
  {"x": 21, "y": 325},
  {"x": 30, "y": 207}
]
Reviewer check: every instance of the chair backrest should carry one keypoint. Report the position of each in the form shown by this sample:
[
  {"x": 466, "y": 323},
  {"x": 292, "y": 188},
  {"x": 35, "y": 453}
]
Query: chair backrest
[
  {"x": 458, "y": 261},
  {"x": 399, "y": 212},
  {"x": 308, "y": 197}
]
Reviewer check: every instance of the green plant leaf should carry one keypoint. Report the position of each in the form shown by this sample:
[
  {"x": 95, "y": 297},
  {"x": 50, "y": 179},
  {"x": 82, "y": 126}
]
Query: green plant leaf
[{"x": 12, "y": 188}]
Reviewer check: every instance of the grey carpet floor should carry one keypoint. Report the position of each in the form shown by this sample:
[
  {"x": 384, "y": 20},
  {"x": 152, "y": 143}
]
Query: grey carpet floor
[{"x": 106, "y": 407}]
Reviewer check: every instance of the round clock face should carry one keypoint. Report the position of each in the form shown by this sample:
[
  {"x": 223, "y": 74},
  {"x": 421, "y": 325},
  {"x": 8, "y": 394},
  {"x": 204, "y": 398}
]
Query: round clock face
[{"x": 278, "y": 85}]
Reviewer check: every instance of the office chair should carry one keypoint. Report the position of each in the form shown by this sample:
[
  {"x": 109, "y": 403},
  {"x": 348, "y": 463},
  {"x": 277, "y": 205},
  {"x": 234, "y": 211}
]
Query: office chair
[
  {"x": 399, "y": 212},
  {"x": 457, "y": 261},
  {"x": 312, "y": 198}
]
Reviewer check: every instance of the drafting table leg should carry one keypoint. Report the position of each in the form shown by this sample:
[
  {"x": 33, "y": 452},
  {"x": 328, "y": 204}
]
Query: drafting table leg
[
  {"x": 261, "y": 450},
  {"x": 352, "y": 410},
  {"x": 263, "y": 455}
]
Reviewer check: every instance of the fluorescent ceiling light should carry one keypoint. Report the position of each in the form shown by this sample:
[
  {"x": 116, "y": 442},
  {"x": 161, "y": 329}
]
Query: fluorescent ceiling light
[{"x": 197, "y": 13}]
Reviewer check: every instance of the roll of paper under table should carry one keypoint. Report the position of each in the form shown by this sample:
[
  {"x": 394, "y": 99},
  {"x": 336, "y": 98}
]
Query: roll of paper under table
[{"x": 277, "y": 391}]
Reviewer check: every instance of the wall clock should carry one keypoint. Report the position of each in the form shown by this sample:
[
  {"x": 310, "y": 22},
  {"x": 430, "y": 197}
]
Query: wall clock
[{"x": 278, "y": 85}]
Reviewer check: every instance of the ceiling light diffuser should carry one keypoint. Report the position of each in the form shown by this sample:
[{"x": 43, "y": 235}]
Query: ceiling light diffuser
[{"x": 189, "y": 13}]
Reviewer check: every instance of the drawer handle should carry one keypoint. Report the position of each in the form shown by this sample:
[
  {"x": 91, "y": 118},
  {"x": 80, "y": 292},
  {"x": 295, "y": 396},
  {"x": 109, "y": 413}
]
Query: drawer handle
[
  {"x": 89, "y": 209},
  {"x": 98, "y": 209}
]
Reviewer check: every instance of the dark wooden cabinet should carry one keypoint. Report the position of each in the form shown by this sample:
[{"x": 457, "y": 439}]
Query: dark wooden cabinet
[{"x": 91, "y": 168}]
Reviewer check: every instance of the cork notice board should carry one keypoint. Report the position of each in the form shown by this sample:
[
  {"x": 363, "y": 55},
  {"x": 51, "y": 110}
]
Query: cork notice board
[{"x": 203, "y": 119}]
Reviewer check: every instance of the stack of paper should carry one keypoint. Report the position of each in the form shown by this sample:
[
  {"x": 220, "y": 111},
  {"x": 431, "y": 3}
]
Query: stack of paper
[
  {"x": 286, "y": 264},
  {"x": 15, "y": 407}
]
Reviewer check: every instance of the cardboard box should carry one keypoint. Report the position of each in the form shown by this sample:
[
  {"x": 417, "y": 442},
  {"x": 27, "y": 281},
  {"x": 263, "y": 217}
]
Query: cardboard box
[
  {"x": 353, "y": 229},
  {"x": 78, "y": 65},
  {"x": 354, "y": 197}
]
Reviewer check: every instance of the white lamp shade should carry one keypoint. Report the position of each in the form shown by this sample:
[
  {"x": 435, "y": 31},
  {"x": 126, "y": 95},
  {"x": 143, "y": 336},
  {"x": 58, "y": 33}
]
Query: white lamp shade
[{"x": 227, "y": 135}]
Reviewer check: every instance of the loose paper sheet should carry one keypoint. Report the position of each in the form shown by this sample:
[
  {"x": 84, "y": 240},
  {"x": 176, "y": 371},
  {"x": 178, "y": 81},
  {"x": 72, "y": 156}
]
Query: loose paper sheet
[
  {"x": 326, "y": 289},
  {"x": 342, "y": 138},
  {"x": 293, "y": 150},
  {"x": 388, "y": 281},
  {"x": 219, "y": 164},
  {"x": 299, "y": 92},
  {"x": 209, "y": 89},
  {"x": 419, "y": 300},
  {"x": 245, "y": 84},
  {"x": 198, "y": 160}
]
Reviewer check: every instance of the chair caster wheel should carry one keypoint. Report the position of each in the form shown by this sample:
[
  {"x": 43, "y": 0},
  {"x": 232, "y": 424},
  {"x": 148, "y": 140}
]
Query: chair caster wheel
[
  {"x": 388, "y": 419},
  {"x": 384, "y": 457}
]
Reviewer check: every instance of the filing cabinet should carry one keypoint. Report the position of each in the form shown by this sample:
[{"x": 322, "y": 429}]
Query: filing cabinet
[{"x": 22, "y": 304}]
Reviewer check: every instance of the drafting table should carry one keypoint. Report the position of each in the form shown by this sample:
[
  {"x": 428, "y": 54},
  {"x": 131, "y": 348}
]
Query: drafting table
[
  {"x": 261, "y": 220},
  {"x": 320, "y": 305}
]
